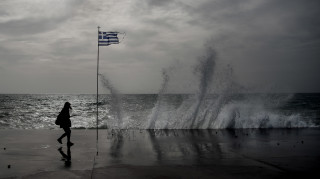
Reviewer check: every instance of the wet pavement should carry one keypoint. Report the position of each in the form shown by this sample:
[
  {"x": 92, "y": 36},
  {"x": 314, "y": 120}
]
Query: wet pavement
[{"x": 252, "y": 151}]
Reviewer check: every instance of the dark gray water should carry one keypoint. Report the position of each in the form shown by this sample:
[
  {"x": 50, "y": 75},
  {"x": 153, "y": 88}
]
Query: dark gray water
[{"x": 176, "y": 111}]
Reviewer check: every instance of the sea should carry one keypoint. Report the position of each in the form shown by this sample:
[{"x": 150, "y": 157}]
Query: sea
[{"x": 162, "y": 111}]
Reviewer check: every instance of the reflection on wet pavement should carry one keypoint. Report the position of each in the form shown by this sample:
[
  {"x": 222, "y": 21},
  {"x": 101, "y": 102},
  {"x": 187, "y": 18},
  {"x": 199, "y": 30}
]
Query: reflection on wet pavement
[{"x": 245, "y": 147}]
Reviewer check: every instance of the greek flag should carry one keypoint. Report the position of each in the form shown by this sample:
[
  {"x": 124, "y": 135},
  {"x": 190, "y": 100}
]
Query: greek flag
[{"x": 108, "y": 38}]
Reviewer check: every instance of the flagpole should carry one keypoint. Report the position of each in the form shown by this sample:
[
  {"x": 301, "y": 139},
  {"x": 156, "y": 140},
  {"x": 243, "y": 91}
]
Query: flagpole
[{"x": 98, "y": 89}]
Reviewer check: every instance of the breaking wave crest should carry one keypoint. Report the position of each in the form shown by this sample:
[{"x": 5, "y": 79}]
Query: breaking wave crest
[{"x": 217, "y": 104}]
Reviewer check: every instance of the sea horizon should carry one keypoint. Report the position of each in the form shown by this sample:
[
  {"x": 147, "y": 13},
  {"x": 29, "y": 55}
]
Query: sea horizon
[{"x": 163, "y": 111}]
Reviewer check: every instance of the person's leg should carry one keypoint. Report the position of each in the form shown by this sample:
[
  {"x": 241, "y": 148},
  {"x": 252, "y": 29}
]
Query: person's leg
[
  {"x": 62, "y": 136},
  {"x": 68, "y": 131}
]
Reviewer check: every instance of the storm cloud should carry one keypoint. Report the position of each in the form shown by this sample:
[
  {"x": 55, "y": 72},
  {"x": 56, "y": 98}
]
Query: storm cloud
[{"x": 51, "y": 46}]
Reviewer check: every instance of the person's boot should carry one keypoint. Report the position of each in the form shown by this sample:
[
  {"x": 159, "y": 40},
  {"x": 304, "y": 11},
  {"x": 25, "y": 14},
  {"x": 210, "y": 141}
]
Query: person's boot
[{"x": 70, "y": 144}]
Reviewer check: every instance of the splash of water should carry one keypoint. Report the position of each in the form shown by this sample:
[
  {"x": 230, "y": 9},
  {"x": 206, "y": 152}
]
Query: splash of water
[
  {"x": 205, "y": 69},
  {"x": 252, "y": 112},
  {"x": 217, "y": 103},
  {"x": 157, "y": 110},
  {"x": 115, "y": 99}
]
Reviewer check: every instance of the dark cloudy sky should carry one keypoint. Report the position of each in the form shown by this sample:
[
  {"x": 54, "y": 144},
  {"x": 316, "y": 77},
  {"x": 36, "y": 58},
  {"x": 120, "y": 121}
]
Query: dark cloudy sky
[{"x": 50, "y": 46}]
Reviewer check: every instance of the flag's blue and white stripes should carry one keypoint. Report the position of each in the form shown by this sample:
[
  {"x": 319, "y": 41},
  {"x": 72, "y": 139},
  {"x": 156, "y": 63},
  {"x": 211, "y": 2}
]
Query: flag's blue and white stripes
[{"x": 108, "y": 38}]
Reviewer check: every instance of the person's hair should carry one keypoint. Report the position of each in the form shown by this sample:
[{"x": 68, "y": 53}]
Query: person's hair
[{"x": 67, "y": 105}]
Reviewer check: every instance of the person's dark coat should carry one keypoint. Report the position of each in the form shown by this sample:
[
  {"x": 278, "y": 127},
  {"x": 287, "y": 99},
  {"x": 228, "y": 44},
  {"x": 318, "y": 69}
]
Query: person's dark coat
[{"x": 65, "y": 118}]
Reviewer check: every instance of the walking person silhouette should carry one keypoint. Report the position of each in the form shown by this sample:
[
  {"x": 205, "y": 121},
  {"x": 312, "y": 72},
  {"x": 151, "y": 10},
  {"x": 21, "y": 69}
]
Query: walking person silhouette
[{"x": 65, "y": 123}]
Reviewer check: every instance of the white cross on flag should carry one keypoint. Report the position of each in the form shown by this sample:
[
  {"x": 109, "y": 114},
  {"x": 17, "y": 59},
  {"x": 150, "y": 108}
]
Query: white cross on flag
[{"x": 108, "y": 38}]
